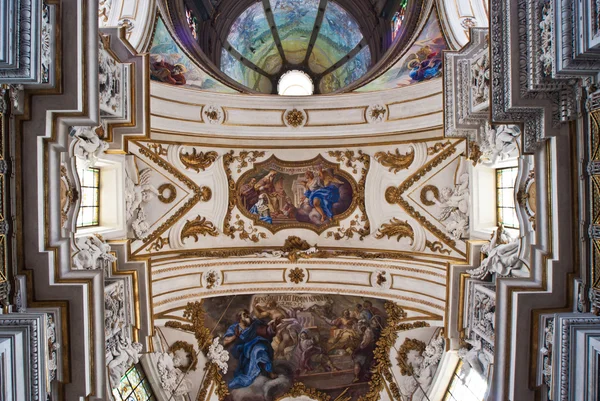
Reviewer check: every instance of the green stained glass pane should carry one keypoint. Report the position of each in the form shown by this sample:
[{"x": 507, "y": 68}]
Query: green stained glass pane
[{"x": 134, "y": 377}]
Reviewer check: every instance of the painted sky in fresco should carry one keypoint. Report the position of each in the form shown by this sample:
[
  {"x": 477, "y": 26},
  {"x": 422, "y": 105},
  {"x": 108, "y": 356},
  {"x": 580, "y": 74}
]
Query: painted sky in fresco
[
  {"x": 347, "y": 73},
  {"x": 165, "y": 55},
  {"x": 251, "y": 37},
  {"x": 422, "y": 61},
  {"x": 339, "y": 34},
  {"x": 295, "y": 20}
]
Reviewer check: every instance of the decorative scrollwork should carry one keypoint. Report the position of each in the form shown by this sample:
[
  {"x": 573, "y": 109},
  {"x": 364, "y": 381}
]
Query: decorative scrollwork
[
  {"x": 244, "y": 158},
  {"x": 198, "y": 226},
  {"x": 198, "y": 160},
  {"x": 354, "y": 229},
  {"x": 346, "y": 156},
  {"x": 251, "y": 233},
  {"x": 299, "y": 389},
  {"x": 439, "y": 146},
  {"x": 410, "y": 344},
  {"x": 172, "y": 193},
  {"x": 437, "y": 246},
  {"x": 159, "y": 244},
  {"x": 396, "y": 228},
  {"x": 396, "y": 161},
  {"x": 194, "y": 313},
  {"x": 427, "y": 189}
]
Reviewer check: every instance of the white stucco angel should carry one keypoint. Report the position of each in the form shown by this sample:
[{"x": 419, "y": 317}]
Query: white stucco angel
[
  {"x": 120, "y": 358},
  {"x": 89, "y": 147},
  {"x": 171, "y": 377},
  {"x": 502, "y": 258},
  {"x": 500, "y": 142},
  {"x": 474, "y": 358},
  {"x": 454, "y": 203},
  {"x": 138, "y": 189},
  {"x": 92, "y": 253}
]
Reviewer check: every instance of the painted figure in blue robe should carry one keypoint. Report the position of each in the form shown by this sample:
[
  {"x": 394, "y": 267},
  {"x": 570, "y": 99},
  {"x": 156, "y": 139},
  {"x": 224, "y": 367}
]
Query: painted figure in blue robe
[
  {"x": 261, "y": 208},
  {"x": 322, "y": 192},
  {"x": 430, "y": 67},
  {"x": 250, "y": 343}
]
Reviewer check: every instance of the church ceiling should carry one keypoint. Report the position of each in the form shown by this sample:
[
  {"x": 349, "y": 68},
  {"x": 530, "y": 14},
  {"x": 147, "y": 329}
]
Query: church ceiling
[{"x": 232, "y": 202}]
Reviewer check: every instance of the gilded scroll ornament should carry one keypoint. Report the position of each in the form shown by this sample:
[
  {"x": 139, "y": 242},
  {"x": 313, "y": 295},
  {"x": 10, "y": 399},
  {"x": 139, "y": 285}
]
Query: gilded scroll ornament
[
  {"x": 172, "y": 193},
  {"x": 198, "y": 226},
  {"x": 300, "y": 390},
  {"x": 251, "y": 233},
  {"x": 437, "y": 147},
  {"x": 159, "y": 244},
  {"x": 435, "y": 191},
  {"x": 475, "y": 153},
  {"x": 396, "y": 228},
  {"x": 243, "y": 158},
  {"x": 348, "y": 157},
  {"x": 401, "y": 229},
  {"x": 194, "y": 314},
  {"x": 354, "y": 229},
  {"x": 198, "y": 160},
  {"x": 396, "y": 161},
  {"x": 158, "y": 149}
]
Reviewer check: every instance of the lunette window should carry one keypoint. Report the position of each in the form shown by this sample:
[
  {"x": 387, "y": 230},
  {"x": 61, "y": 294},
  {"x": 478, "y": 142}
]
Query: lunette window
[{"x": 89, "y": 210}]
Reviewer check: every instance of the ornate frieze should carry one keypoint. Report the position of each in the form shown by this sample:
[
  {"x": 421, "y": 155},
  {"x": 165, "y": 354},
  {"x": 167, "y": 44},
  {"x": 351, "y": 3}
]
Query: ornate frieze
[
  {"x": 21, "y": 42},
  {"x": 113, "y": 83}
]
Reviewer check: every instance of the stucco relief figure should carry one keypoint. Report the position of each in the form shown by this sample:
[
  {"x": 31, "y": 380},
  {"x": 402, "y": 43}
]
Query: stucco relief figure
[
  {"x": 138, "y": 191},
  {"x": 276, "y": 340},
  {"x": 500, "y": 142},
  {"x": 455, "y": 207},
  {"x": 120, "y": 358},
  {"x": 474, "y": 358},
  {"x": 502, "y": 258},
  {"x": 171, "y": 376},
  {"x": 93, "y": 253},
  {"x": 421, "y": 366},
  {"x": 302, "y": 193},
  {"x": 89, "y": 147}
]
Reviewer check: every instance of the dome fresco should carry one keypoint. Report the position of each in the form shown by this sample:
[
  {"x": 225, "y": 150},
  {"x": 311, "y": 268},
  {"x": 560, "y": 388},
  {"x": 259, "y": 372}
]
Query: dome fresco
[
  {"x": 421, "y": 62},
  {"x": 339, "y": 35}
]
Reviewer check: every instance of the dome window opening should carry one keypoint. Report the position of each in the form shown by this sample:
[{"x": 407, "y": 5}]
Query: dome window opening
[{"x": 295, "y": 83}]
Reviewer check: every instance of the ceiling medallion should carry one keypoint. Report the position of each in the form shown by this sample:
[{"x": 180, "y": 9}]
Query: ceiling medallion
[
  {"x": 214, "y": 114},
  {"x": 212, "y": 279},
  {"x": 375, "y": 113},
  {"x": 295, "y": 118},
  {"x": 296, "y": 275}
]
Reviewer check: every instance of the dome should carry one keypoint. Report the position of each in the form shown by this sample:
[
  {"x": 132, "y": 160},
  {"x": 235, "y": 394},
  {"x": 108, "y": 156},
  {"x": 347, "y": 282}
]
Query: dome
[{"x": 336, "y": 43}]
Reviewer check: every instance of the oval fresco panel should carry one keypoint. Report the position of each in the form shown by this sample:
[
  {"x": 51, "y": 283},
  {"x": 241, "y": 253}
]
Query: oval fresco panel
[{"x": 313, "y": 194}]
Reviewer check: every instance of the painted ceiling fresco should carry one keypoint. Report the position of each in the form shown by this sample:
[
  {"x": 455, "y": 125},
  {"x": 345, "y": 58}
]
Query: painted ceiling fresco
[
  {"x": 295, "y": 21},
  {"x": 408, "y": 197},
  {"x": 251, "y": 37},
  {"x": 421, "y": 62},
  {"x": 269, "y": 346},
  {"x": 169, "y": 64}
]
